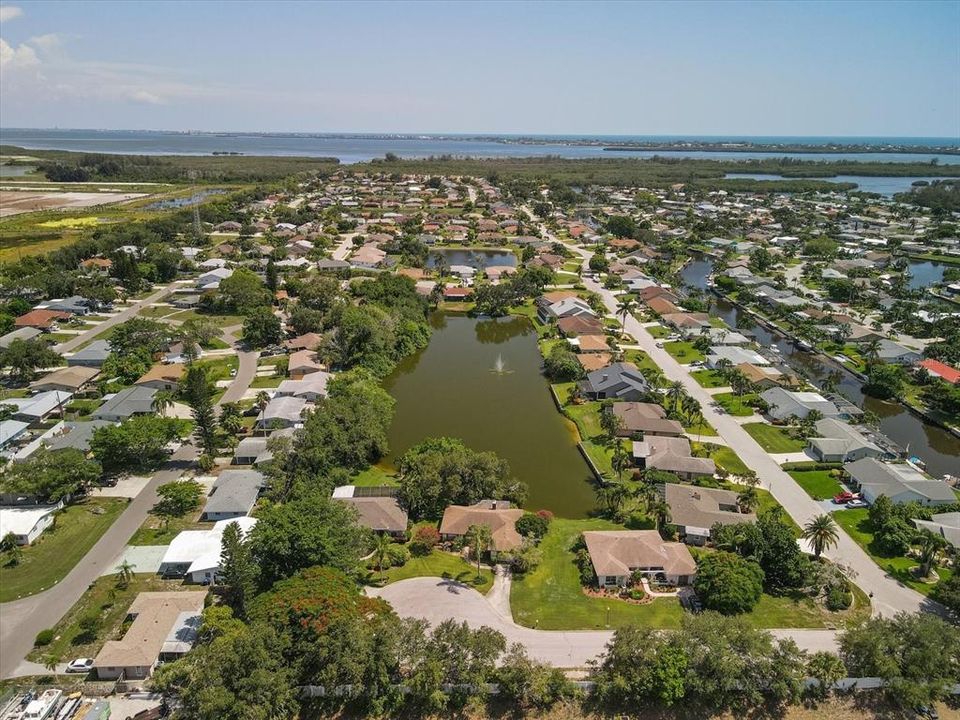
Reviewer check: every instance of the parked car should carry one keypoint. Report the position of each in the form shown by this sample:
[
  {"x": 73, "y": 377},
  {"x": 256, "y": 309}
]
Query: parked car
[
  {"x": 233, "y": 372},
  {"x": 843, "y": 498},
  {"x": 858, "y": 503},
  {"x": 80, "y": 665},
  {"x": 926, "y": 712},
  {"x": 659, "y": 345}
]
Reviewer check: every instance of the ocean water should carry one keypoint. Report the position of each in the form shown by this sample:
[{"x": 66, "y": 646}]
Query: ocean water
[{"x": 351, "y": 148}]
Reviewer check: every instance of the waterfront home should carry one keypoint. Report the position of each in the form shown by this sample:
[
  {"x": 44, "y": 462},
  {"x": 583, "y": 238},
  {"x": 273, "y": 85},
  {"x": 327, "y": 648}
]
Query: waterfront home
[
  {"x": 282, "y": 412},
  {"x": 619, "y": 381},
  {"x": 940, "y": 370},
  {"x": 695, "y": 510},
  {"x": 773, "y": 297},
  {"x": 640, "y": 419},
  {"x": 311, "y": 388},
  {"x": 617, "y": 554},
  {"x": 368, "y": 256},
  {"x": 594, "y": 361},
  {"x": 93, "y": 355},
  {"x": 126, "y": 403},
  {"x": 694, "y": 323},
  {"x": 41, "y": 319},
  {"x": 497, "y": 515},
  {"x": 719, "y": 336},
  {"x": 671, "y": 454},
  {"x": 648, "y": 294},
  {"x": 736, "y": 355},
  {"x": 567, "y": 307},
  {"x": 163, "y": 377},
  {"x": 764, "y": 377},
  {"x": 303, "y": 363},
  {"x": 453, "y": 293},
  {"x": 901, "y": 482},
  {"x": 68, "y": 379},
  {"x": 661, "y": 306},
  {"x": 840, "y": 442},
  {"x": 897, "y": 354},
  {"x": 784, "y": 404},
  {"x": 580, "y": 325},
  {"x": 195, "y": 554},
  {"x": 234, "y": 493},
  {"x": 590, "y": 344},
  {"x": 946, "y": 525},
  {"x": 379, "y": 512},
  {"x": 164, "y": 627}
]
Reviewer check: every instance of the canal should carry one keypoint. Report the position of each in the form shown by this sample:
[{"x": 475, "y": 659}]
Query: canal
[
  {"x": 453, "y": 388},
  {"x": 935, "y": 446}
]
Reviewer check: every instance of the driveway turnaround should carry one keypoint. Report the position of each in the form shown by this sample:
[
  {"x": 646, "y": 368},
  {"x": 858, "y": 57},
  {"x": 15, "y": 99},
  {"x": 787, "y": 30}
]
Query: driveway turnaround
[{"x": 437, "y": 599}]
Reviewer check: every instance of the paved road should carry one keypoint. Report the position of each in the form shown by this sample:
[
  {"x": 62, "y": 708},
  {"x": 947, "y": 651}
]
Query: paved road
[
  {"x": 21, "y": 620},
  {"x": 436, "y": 600},
  {"x": 889, "y": 595},
  {"x": 120, "y": 317},
  {"x": 246, "y": 372},
  {"x": 343, "y": 249}
]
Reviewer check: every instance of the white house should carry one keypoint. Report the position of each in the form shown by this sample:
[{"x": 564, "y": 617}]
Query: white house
[
  {"x": 26, "y": 522},
  {"x": 195, "y": 554}
]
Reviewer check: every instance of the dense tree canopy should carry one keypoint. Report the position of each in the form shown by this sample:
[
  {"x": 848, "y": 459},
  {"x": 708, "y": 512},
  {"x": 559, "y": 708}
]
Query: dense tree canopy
[
  {"x": 50, "y": 475},
  {"x": 136, "y": 444},
  {"x": 727, "y": 583}
]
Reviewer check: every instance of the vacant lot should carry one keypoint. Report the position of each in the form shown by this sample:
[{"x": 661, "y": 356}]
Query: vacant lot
[
  {"x": 818, "y": 484},
  {"x": 773, "y": 439},
  {"x": 15, "y": 202}
]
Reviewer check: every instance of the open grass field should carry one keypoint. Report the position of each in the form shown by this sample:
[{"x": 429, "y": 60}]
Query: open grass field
[
  {"x": 857, "y": 525},
  {"x": 683, "y": 351},
  {"x": 439, "y": 564},
  {"x": 773, "y": 439},
  {"x": 723, "y": 456},
  {"x": 374, "y": 476},
  {"x": 107, "y": 601},
  {"x": 736, "y": 405},
  {"x": 818, "y": 484},
  {"x": 550, "y": 597},
  {"x": 708, "y": 378},
  {"x": 58, "y": 549}
]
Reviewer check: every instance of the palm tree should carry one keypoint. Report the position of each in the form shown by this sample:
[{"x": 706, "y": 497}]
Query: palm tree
[
  {"x": 611, "y": 496},
  {"x": 231, "y": 423},
  {"x": 660, "y": 511},
  {"x": 381, "y": 545},
  {"x": 821, "y": 533},
  {"x": 125, "y": 573},
  {"x": 931, "y": 545},
  {"x": 50, "y": 663},
  {"x": 479, "y": 538},
  {"x": 624, "y": 308},
  {"x": 675, "y": 391},
  {"x": 162, "y": 401},
  {"x": 263, "y": 399},
  {"x": 871, "y": 350},
  {"x": 748, "y": 500}
]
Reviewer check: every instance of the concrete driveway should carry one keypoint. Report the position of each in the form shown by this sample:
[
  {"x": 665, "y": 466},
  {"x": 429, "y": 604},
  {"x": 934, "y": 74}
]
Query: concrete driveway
[{"x": 436, "y": 600}]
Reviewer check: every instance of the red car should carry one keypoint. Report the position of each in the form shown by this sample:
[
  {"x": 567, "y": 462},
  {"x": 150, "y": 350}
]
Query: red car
[{"x": 843, "y": 498}]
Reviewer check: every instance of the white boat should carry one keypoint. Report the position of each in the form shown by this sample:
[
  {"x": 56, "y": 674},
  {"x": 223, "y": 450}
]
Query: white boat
[{"x": 44, "y": 706}]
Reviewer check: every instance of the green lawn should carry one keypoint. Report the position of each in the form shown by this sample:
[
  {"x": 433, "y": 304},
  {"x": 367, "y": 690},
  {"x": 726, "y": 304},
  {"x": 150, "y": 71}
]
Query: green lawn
[
  {"x": 155, "y": 531},
  {"x": 439, "y": 564},
  {"x": 58, "y": 549},
  {"x": 586, "y": 417},
  {"x": 266, "y": 381},
  {"x": 773, "y": 439},
  {"x": 110, "y": 603},
  {"x": 658, "y": 331},
  {"x": 374, "y": 476},
  {"x": 856, "y": 523},
  {"x": 736, "y": 405},
  {"x": 801, "y": 611},
  {"x": 708, "y": 378},
  {"x": 818, "y": 484},
  {"x": 641, "y": 360},
  {"x": 683, "y": 351},
  {"x": 704, "y": 429},
  {"x": 221, "y": 320},
  {"x": 550, "y": 597},
  {"x": 724, "y": 457}
]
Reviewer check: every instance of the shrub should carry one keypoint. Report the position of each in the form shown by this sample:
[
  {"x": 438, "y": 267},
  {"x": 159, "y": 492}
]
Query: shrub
[
  {"x": 44, "y": 637},
  {"x": 545, "y": 514},
  {"x": 205, "y": 463},
  {"x": 397, "y": 555},
  {"x": 424, "y": 540},
  {"x": 839, "y": 599},
  {"x": 728, "y": 583},
  {"x": 585, "y": 566},
  {"x": 532, "y": 526}
]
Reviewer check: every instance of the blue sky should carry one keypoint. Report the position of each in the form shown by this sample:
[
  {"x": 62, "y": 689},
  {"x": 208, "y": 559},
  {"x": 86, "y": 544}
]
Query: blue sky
[{"x": 760, "y": 68}]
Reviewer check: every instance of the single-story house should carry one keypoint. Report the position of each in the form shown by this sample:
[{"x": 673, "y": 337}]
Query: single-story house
[
  {"x": 764, "y": 377},
  {"x": 211, "y": 280},
  {"x": 253, "y": 450},
  {"x": 736, "y": 355},
  {"x": 76, "y": 435},
  {"x": 68, "y": 379},
  {"x": 694, "y": 510},
  {"x": 380, "y": 513},
  {"x": 840, "y": 442},
  {"x": 234, "y": 493},
  {"x": 900, "y": 482},
  {"x": 933, "y": 367},
  {"x": 163, "y": 377},
  {"x": 946, "y": 525},
  {"x": 310, "y": 388},
  {"x": 567, "y": 307},
  {"x": 671, "y": 454},
  {"x": 282, "y": 412},
  {"x": 619, "y": 381},
  {"x": 617, "y": 554},
  {"x": 195, "y": 554},
  {"x": 164, "y": 624},
  {"x": 498, "y": 515},
  {"x": 307, "y": 341},
  {"x": 23, "y": 333},
  {"x": 368, "y": 256},
  {"x": 128, "y": 402},
  {"x": 11, "y": 430},
  {"x": 26, "y": 522},
  {"x": 40, "y": 406},
  {"x": 302, "y": 363},
  {"x": 786, "y": 403},
  {"x": 73, "y": 305},
  {"x": 893, "y": 352},
  {"x": 590, "y": 344},
  {"x": 455, "y": 293},
  {"x": 661, "y": 306},
  {"x": 329, "y": 265},
  {"x": 594, "y": 361},
  {"x": 93, "y": 355},
  {"x": 180, "y": 352},
  {"x": 642, "y": 419},
  {"x": 580, "y": 325},
  {"x": 40, "y": 319}
]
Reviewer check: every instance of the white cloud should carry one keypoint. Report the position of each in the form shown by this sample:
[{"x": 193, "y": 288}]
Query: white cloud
[
  {"x": 46, "y": 43},
  {"x": 22, "y": 56},
  {"x": 145, "y": 97},
  {"x": 9, "y": 12}
]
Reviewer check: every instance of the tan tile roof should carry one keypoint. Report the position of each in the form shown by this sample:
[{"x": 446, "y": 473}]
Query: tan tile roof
[
  {"x": 75, "y": 376},
  {"x": 646, "y": 417},
  {"x": 619, "y": 552},
  {"x": 700, "y": 507},
  {"x": 594, "y": 361},
  {"x": 168, "y": 373},
  {"x": 379, "y": 513},
  {"x": 457, "y": 519}
]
